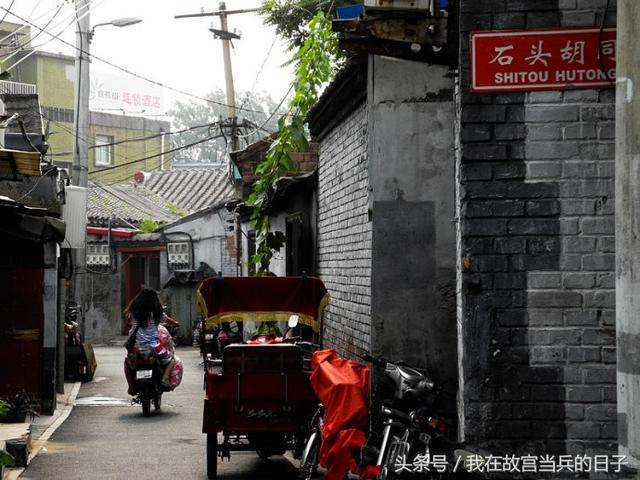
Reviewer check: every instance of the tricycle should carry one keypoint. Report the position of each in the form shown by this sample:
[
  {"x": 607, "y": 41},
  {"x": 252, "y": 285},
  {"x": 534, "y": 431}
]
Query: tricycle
[{"x": 258, "y": 395}]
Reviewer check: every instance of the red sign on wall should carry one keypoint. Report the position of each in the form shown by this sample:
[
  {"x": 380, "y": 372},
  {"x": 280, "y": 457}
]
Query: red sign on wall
[{"x": 543, "y": 59}]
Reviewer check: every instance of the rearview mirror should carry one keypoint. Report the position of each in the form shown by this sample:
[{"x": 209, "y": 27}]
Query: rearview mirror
[{"x": 293, "y": 321}]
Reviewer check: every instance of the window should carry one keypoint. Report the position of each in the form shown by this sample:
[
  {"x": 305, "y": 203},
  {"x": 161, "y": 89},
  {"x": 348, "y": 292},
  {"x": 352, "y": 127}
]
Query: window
[{"x": 104, "y": 150}]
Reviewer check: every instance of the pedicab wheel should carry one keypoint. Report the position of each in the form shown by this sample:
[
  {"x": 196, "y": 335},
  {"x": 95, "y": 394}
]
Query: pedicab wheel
[
  {"x": 309, "y": 460},
  {"x": 212, "y": 456},
  {"x": 146, "y": 407},
  {"x": 157, "y": 401}
]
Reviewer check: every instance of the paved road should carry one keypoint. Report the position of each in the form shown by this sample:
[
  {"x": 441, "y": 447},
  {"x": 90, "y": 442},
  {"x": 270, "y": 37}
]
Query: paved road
[{"x": 107, "y": 438}]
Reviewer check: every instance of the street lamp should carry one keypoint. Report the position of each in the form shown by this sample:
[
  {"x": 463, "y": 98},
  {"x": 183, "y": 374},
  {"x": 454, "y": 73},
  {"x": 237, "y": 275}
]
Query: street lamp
[
  {"x": 84, "y": 34},
  {"x": 118, "y": 22}
]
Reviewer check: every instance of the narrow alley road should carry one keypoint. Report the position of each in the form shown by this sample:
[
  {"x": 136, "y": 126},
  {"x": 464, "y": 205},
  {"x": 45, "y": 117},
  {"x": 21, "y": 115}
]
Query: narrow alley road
[{"x": 107, "y": 438}]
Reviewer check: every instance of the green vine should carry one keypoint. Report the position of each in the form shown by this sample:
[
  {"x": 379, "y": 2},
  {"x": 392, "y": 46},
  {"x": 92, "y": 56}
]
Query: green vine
[{"x": 314, "y": 66}]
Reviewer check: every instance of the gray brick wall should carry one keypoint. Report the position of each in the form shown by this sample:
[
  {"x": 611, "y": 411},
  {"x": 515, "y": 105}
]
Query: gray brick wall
[
  {"x": 344, "y": 235},
  {"x": 537, "y": 228}
]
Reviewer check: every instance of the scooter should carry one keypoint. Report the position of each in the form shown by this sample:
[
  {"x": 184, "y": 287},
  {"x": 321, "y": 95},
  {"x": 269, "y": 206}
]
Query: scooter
[
  {"x": 147, "y": 373},
  {"x": 144, "y": 370},
  {"x": 410, "y": 440},
  {"x": 79, "y": 360}
]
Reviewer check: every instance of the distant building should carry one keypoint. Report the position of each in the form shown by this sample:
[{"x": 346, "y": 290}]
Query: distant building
[
  {"x": 193, "y": 228},
  {"x": 129, "y": 143}
]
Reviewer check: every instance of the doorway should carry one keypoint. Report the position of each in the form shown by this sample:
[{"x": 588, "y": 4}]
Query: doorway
[{"x": 141, "y": 270}]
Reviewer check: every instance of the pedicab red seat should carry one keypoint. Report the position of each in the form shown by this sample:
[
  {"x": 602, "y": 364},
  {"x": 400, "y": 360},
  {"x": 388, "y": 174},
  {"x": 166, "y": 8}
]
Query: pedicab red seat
[{"x": 260, "y": 388}]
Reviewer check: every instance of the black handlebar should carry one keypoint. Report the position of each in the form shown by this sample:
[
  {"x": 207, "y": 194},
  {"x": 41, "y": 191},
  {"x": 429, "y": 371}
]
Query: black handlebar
[
  {"x": 377, "y": 361},
  {"x": 292, "y": 340}
]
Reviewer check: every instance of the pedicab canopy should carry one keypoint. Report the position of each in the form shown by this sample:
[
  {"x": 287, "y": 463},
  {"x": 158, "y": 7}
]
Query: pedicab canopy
[{"x": 262, "y": 299}]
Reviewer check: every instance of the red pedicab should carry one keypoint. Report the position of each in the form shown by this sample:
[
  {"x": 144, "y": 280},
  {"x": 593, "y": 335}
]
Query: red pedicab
[{"x": 259, "y": 395}]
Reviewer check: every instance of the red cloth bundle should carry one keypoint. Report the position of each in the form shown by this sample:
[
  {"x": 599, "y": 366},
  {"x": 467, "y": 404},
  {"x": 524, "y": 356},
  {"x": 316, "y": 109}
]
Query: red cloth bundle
[{"x": 343, "y": 388}]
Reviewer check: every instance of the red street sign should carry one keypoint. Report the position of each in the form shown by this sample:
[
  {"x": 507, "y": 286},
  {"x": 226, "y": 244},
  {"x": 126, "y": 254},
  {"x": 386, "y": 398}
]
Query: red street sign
[{"x": 543, "y": 59}]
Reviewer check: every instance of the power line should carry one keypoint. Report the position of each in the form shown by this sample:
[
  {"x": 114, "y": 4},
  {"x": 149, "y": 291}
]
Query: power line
[
  {"x": 23, "y": 47},
  {"x": 142, "y": 138},
  {"x": 22, "y": 27},
  {"x": 70, "y": 132},
  {"x": 153, "y": 156},
  {"x": 125, "y": 70},
  {"x": 255, "y": 82},
  {"x": 261, "y": 127},
  {"x": 57, "y": 12},
  {"x": 7, "y": 12},
  {"x": 53, "y": 37}
]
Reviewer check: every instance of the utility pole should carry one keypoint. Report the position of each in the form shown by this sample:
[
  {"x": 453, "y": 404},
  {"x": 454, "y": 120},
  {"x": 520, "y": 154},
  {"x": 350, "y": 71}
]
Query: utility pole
[
  {"x": 80, "y": 172},
  {"x": 627, "y": 172},
  {"x": 226, "y": 36},
  {"x": 81, "y": 110}
]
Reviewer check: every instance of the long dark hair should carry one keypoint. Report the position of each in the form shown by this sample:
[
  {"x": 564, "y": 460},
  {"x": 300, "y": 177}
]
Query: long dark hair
[{"x": 144, "y": 305}]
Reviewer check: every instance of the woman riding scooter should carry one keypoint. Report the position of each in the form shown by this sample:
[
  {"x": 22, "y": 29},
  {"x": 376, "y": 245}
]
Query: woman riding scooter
[{"x": 145, "y": 313}]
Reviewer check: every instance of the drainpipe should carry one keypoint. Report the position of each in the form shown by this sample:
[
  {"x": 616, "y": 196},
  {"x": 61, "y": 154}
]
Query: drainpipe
[{"x": 238, "y": 246}]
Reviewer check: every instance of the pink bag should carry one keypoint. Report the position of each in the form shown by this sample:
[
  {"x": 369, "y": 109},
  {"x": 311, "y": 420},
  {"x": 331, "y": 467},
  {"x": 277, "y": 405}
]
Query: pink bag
[{"x": 175, "y": 378}]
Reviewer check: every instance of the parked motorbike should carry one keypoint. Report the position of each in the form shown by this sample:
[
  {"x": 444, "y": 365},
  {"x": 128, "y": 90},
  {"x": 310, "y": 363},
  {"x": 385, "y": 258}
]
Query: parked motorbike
[
  {"x": 79, "y": 360},
  {"x": 409, "y": 439}
]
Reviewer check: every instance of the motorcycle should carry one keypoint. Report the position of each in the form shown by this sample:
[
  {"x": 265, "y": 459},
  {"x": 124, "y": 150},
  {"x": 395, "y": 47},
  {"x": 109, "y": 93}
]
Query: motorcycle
[
  {"x": 147, "y": 372},
  {"x": 413, "y": 440},
  {"x": 79, "y": 359}
]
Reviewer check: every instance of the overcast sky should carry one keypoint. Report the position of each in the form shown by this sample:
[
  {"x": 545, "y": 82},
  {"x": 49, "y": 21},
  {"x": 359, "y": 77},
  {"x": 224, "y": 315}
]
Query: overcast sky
[{"x": 177, "y": 52}]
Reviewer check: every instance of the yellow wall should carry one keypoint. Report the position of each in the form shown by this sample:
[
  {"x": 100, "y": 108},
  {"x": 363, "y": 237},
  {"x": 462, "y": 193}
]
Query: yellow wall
[
  {"x": 61, "y": 141},
  {"x": 126, "y": 153},
  {"x": 55, "y": 82},
  {"x": 54, "y": 78}
]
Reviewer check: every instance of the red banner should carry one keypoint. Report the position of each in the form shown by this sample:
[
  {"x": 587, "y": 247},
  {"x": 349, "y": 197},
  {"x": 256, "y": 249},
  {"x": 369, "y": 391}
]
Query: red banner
[{"x": 543, "y": 59}]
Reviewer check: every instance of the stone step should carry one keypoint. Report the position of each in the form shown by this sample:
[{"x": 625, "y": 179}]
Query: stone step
[{"x": 15, "y": 438}]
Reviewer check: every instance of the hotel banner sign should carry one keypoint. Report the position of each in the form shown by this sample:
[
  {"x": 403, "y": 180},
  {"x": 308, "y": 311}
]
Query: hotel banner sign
[{"x": 556, "y": 59}]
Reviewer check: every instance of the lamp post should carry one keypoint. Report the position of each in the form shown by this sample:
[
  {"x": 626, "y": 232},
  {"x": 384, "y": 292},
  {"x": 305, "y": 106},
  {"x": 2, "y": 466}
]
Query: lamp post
[
  {"x": 84, "y": 35},
  {"x": 80, "y": 176}
]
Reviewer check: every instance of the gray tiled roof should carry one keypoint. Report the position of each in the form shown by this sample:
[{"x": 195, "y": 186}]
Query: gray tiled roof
[
  {"x": 129, "y": 204},
  {"x": 165, "y": 196},
  {"x": 192, "y": 189}
]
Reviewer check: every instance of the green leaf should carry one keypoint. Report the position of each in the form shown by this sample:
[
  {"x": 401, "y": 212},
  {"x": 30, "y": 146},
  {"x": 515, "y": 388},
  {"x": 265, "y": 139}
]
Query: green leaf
[{"x": 313, "y": 60}]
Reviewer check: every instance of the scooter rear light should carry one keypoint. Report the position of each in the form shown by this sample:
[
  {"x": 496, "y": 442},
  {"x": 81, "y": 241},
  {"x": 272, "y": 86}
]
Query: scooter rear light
[{"x": 438, "y": 425}]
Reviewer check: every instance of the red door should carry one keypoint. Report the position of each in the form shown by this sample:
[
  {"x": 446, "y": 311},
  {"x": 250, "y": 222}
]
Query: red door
[
  {"x": 21, "y": 324},
  {"x": 142, "y": 269}
]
